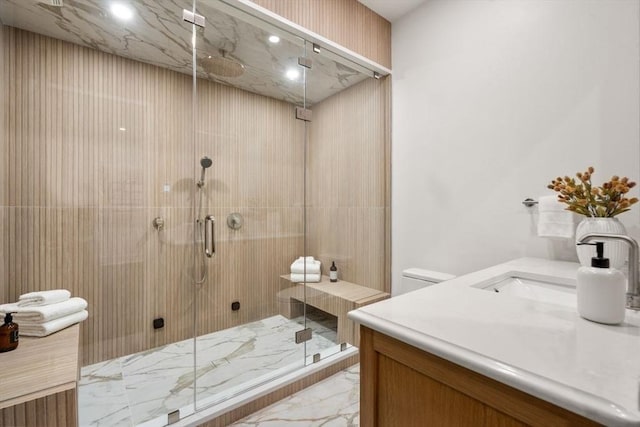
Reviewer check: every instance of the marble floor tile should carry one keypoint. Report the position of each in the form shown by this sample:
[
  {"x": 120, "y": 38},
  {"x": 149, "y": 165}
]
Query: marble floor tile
[
  {"x": 137, "y": 388},
  {"x": 332, "y": 402},
  {"x": 102, "y": 397}
]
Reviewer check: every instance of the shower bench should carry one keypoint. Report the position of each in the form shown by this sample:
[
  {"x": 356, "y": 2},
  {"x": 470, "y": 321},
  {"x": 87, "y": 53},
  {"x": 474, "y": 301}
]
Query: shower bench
[{"x": 335, "y": 298}]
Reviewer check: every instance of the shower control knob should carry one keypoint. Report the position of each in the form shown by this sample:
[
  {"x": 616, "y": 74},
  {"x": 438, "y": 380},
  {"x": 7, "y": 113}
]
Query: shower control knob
[
  {"x": 235, "y": 221},
  {"x": 158, "y": 223}
]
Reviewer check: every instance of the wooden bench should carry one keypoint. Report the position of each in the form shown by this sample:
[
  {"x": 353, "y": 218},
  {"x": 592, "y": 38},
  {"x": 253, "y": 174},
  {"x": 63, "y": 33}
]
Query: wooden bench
[
  {"x": 335, "y": 298},
  {"x": 39, "y": 380}
]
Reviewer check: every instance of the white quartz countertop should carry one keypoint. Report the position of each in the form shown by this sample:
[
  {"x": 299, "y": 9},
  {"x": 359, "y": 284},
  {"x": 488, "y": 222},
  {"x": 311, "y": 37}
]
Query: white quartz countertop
[{"x": 544, "y": 349}]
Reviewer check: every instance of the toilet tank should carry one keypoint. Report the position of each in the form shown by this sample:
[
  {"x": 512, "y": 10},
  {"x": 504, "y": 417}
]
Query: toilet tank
[{"x": 417, "y": 278}]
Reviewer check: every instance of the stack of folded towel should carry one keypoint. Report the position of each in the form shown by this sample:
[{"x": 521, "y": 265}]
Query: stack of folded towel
[
  {"x": 39, "y": 314},
  {"x": 308, "y": 265}
]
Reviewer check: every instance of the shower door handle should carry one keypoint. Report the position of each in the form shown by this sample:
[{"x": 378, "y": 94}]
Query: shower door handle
[{"x": 209, "y": 235}]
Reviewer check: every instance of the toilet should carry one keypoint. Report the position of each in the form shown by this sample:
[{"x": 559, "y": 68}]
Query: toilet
[{"x": 417, "y": 278}]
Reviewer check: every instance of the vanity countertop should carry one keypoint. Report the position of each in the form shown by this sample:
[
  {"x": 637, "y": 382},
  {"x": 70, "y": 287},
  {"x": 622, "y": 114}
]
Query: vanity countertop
[{"x": 544, "y": 349}]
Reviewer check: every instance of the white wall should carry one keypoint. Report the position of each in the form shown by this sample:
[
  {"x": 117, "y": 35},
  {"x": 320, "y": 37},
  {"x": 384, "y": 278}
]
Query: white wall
[{"x": 491, "y": 100}]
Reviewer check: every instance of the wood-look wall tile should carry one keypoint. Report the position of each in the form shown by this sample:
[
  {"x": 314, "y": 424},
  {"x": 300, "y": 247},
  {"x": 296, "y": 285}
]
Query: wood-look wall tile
[
  {"x": 51, "y": 248},
  {"x": 4, "y": 163},
  {"x": 87, "y": 125},
  {"x": 52, "y": 411},
  {"x": 346, "y": 22},
  {"x": 172, "y": 149},
  {"x": 4, "y": 116},
  {"x": 347, "y": 191},
  {"x": 81, "y": 218},
  {"x": 4, "y": 255},
  {"x": 386, "y": 124},
  {"x": 346, "y": 157},
  {"x": 354, "y": 239},
  {"x": 49, "y": 123},
  {"x": 247, "y": 265},
  {"x": 257, "y": 148}
]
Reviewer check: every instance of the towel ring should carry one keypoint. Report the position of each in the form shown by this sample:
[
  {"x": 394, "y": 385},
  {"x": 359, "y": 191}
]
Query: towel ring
[{"x": 528, "y": 202}]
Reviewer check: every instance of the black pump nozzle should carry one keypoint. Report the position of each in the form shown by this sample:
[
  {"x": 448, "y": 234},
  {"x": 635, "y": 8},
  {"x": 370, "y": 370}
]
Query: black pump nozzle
[
  {"x": 600, "y": 249},
  {"x": 599, "y": 261},
  {"x": 8, "y": 318}
]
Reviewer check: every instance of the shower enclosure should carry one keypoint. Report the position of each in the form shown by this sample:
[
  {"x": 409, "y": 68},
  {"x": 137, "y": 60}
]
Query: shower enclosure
[{"x": 172, "y": 144}]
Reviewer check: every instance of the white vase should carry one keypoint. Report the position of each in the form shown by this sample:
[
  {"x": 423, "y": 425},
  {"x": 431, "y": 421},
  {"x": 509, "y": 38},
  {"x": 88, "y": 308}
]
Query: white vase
[{"x": 615, "y": 250}]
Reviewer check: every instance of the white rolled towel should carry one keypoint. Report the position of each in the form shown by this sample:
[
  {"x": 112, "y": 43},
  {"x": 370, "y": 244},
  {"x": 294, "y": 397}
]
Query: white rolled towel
[
  {"x": 312, "y": 267},
  {"x": 553, "y": 219},
  {"x": 310, "y": 278},
  {"x": 34, "y": 299},
  {"x": 44, "y": 313},
  {"x": 47, "y": 328}
]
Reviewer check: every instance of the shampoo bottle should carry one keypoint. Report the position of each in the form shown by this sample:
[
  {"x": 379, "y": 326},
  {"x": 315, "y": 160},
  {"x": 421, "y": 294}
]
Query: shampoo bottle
[
  {"x": 8, "y": 334},
  {"x": 333, "y": 272},
  {"x": 601, "y": 290}
]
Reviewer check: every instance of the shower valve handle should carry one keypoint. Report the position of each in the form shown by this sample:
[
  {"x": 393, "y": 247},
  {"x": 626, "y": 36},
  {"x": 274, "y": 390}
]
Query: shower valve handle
[{"x": 209, "y": 235}]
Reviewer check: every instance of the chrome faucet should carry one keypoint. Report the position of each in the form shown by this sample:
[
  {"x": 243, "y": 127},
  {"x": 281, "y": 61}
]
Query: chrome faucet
[{"x": 633, "y": 287}]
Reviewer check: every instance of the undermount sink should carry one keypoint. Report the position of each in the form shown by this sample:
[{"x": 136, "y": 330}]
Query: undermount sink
[{"x": 545, "y": 289}]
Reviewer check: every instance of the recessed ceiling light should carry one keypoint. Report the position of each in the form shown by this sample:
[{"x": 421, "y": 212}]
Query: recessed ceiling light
[
  {"x": 123, "y": 129},
  {"x": 274, "y": 39},
  {"x": 292, "y": 74},
  {"x": 121, "y": 11}
]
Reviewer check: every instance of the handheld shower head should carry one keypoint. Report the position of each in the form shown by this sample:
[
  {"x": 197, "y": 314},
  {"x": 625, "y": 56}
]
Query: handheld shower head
[{"x": 206, "y": 163}]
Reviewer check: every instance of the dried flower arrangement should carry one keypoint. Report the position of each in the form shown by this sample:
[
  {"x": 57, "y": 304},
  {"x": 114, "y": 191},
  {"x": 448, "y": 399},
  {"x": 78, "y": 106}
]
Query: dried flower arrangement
[{"x": 605, "y": 201}]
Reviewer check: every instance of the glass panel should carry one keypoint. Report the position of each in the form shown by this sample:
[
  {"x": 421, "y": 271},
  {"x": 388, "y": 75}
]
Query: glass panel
[
  {"x": 248, "y": 84},
  {"x": 333, "y": 197},
  {"x": 103, "y": 145}
]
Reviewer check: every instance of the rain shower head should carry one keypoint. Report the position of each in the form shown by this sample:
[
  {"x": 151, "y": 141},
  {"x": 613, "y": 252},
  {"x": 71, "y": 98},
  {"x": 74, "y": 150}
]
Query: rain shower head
[
  {"x": 221, "y": 65},
  {"x": 206, "y": 163}
]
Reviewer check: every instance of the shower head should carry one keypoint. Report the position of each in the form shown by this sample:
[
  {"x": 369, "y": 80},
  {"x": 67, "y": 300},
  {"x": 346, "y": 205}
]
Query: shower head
[
  {"x": 206, "y": 163},
  {"x": 221, "y": 65}
]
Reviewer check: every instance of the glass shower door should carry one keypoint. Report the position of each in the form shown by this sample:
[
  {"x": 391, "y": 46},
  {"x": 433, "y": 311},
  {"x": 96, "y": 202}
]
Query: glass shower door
[{"x": 246, "y": 315}]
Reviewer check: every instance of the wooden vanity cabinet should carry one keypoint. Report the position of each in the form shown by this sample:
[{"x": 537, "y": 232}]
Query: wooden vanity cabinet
[{"x": 403, "y": 386}]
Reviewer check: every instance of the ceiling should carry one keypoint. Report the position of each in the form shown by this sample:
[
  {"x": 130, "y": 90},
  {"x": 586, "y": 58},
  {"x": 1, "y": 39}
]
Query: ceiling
[
  {"x": 232, "y": 49},
  {"x": 392, "y": 9}
]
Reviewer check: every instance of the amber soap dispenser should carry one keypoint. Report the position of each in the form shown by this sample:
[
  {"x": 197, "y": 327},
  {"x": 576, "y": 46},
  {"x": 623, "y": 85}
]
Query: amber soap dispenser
[{"x": 8, "y": 334}]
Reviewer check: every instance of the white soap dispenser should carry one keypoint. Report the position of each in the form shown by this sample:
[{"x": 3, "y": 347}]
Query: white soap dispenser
[{"x": 601, "y": 290}]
